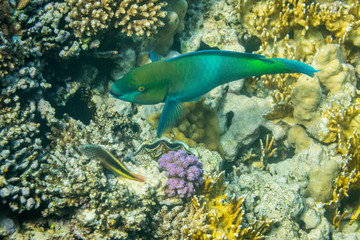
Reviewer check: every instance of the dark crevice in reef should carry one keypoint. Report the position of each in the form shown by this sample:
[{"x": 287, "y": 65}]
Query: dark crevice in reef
[
  {"x": 251, "y": 43},
  {"x": 78, "y": 107},
  {"x": 43, "y": 129},
  {"x": 204, "y": 46},
  {"x": 177, "y": 43},
  {"x": 229, "y": 117}
]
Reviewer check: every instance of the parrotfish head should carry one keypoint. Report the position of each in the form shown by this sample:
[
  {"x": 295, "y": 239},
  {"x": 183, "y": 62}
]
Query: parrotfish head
[{"x": 139, "y": 86}]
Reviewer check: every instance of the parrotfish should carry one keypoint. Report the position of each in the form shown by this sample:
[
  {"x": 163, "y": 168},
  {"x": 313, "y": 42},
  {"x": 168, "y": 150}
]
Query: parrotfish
[
  {"x": 109, "y": 161},
  {"x": 187, "y": 77}
]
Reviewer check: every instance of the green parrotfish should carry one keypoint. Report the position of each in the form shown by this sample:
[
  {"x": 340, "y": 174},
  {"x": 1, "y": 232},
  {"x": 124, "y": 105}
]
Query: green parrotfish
[{"x": 187, "y": 77}]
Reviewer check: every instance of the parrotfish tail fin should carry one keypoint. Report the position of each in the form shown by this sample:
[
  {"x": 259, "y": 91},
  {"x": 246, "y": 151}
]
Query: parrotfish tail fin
[
  {"x": 170, "y": 113},
  {"x": 138, "y": 178},
  {"x": 293, "y": 66}
]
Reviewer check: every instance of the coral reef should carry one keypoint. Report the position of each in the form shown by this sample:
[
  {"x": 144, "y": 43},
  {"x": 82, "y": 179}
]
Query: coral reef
[
  {"x": 197, "y": 126},
  {"x": 174, "y": 23},
  {"x": 57, "y": 61},
  {"x": 335, "y": 74},
  {"x": 274, "y": 19},
  {"x": 306, "y": 98},
  {"x": 141, "y": 18},
  {"x": 21, "y": 147},
  {"x": 175, "y": 220},
  {"x": 8, "y": 24},
  {"x": 12, "y": 54},
  {"x": 225, "y": 217},
  {"x": 80, "y": 188},
  {"x": 298, "y": 138},
  {"x": 214, "y": 24},
  {"x": 349, "y": 178},
  {"x": 19, "y": 155},
  {"x": 184, "y": 173},
  {"x": 240, "y": 122},
  {"x": 214, "y": 215},
  {"x": 342, "y": 123},
  {"x": 46, "y": 27}
]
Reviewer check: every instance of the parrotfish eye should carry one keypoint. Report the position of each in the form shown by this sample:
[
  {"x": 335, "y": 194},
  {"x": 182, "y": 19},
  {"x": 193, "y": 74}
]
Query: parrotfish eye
[{"x": 141, "y": 88}]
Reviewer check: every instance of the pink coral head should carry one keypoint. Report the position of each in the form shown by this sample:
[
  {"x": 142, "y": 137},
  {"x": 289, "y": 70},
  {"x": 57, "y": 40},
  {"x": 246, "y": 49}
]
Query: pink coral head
[{"x": 184, "y": 173}]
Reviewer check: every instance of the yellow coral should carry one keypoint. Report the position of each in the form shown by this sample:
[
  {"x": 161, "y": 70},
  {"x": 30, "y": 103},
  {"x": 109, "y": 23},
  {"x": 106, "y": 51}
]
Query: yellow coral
[
  {"x": 7, "y": 63},
  {"x": 349, "y": 178},
  {"x": 224, "y": 214},
  {"x": 342, "y": 123},
  {"x": 274, "y": 19},
  {"x": 281, "y": 84},
  {"x": 135, "y": 17},
  {"x": 140, "y": 18},
  {"x": 265, "y": 152}
]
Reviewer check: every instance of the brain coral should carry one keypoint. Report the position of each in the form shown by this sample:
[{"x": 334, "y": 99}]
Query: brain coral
[{"x": 140, "y": 17}]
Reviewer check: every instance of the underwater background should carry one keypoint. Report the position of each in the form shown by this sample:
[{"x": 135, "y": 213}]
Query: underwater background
[{"x": 271, "y": 157}]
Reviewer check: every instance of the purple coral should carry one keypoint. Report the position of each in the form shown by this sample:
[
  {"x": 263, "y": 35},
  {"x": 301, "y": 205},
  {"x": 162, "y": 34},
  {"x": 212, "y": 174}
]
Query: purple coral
[{"x": 184, "y": 172}]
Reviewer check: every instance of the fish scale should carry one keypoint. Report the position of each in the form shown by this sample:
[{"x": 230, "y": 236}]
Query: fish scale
[{"x": 187, "y": 77}]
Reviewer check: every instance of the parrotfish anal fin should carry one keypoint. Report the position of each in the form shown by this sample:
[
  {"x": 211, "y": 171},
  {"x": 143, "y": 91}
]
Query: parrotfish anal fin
[
  {"x": 154, "y": 56},
  {"x": 170, "y": 113}
]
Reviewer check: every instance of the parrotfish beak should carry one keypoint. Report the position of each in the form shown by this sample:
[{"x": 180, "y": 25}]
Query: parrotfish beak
[
  {"x": 125, "y": 93},
  {"x": 114, "y": 93}
]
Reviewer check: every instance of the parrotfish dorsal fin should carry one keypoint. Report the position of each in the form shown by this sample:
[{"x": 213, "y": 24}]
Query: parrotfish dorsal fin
[
  {"x": 220, "y": 52},
  {"x": 154, "y": 56},
  {"x": 170, "y": 113},
  {"x": 282, "y": 65}
]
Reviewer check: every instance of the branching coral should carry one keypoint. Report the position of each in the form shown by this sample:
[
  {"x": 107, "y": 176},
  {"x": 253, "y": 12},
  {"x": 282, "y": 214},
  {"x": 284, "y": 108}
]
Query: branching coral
[
  {"x": 135, "y": 17},
  {"x": 282, "y": 85},
  {"x": 21, "y": 146},
  {"x": 20, "y": 155},
  {"x": 7, "y": 63},
  {"x": 265, "y": 152},
  {"x": 140, "y": 18},
  {"x": 342, "y": 123},
  {"x": 225, "y": 216},
  {"x": 281, "y": 96},
  {"x": 274, "y": 19},
  {"x": 349, "y": 178},
  {"x": 11, "y": 55},
  {"x": 212, "y": 215},
  {"x": 8, "y": 25},
  {"x": 175, "y": 222}
]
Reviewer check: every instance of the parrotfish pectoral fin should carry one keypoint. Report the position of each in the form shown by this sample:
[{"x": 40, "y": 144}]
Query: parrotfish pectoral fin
[
  {"x": 170, "y": 113},
  {"x": 154, "y": 56},
  {"x": 293, "y": 66}
]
